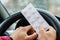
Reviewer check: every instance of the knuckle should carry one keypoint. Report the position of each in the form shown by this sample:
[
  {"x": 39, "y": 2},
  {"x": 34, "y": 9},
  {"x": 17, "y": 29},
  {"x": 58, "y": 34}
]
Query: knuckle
[
  {"x": 54, "y": 30},
  {"x": 21, "y": 27}
]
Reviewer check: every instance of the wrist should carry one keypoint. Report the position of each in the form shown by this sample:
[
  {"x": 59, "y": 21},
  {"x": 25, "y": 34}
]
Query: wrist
[{"x": 13, "y": 38}]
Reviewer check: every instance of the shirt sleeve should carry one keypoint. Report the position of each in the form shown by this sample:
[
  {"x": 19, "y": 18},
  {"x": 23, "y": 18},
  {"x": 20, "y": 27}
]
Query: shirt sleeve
[{"x": 4, "y": 38}]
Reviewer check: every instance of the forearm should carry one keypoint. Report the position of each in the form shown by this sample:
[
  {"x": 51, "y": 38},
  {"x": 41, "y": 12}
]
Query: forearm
[{"x": 5, "y": 38}]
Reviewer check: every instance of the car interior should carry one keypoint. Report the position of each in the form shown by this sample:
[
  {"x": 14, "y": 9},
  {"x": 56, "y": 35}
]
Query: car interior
[{"x": 17, "y": 19}]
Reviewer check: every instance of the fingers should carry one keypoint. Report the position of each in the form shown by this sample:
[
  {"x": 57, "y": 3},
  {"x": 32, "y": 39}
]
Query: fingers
[
  {"x": 26, "y": 27},
  {"x": 41, "y": 30},
  {"x": 29, "y": 28},
  {"x": 31, "y": 37},
  {"x": 42, "y": 33},
  {"x": 51, "y": 30}
]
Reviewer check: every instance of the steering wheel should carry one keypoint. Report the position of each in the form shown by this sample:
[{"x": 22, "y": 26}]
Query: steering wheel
[{"x": 50, "y": 18}]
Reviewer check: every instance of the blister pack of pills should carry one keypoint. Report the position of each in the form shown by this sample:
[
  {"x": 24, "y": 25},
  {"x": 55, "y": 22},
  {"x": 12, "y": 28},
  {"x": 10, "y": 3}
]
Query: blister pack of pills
[{"x": 34, "y": 17}]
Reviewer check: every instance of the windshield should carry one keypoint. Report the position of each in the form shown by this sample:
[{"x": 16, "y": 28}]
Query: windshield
[{"x": 16, "y": 5}]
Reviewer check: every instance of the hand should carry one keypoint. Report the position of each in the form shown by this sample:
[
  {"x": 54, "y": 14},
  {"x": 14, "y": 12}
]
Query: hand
[
  {"x": 47, "y": 35},
  {"x": 21, "y": 33}
]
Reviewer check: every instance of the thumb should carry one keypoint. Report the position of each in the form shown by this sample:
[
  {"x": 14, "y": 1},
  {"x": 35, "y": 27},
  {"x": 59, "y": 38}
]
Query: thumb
[
  {"x": 41, "y": 30},
  {"x": 31, "y": 37}
]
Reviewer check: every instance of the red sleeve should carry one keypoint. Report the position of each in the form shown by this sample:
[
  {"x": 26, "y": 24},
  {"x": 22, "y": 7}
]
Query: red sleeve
[{"x": 4, "y": 38}]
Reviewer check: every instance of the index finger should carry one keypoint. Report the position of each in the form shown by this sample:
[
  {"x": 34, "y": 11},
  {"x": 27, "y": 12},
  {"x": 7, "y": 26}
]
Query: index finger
[
  {"x": 51, "y": 30},
  {"x": 29, "y": 28}
]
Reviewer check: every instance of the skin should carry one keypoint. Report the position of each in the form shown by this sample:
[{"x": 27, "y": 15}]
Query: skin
[
  {"x": 21, "y": 33},
  {"x": 27, "y": 33},
  {"x": 47, "y": 35}
]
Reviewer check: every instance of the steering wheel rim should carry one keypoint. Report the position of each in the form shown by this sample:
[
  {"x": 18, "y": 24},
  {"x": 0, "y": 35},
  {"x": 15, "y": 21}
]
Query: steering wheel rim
[{"x": 6, "y": 23}]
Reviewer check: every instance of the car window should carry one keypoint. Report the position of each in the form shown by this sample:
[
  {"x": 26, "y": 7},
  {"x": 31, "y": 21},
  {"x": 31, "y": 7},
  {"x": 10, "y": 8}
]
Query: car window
[{"x": 16, "y": 5}]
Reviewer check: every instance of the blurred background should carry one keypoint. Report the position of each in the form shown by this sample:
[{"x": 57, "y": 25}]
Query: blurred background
[{"x": 16, "y": 5}]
